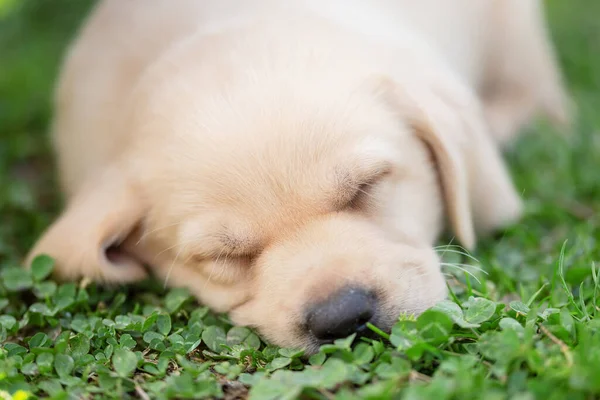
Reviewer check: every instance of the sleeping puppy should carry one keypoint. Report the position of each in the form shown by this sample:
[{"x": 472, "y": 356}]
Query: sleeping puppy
[{"x": 293, "y": 163}]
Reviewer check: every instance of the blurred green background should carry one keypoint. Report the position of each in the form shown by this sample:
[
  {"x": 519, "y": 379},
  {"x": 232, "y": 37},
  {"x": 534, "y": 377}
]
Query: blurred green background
[
  {"x": 560, "y": 181},
  {"x": 33, "y": 38}
]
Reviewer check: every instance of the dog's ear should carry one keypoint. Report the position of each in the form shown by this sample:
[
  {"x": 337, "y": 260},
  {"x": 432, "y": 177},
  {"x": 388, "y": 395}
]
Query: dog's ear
[
  {"x": 82, "y": 240},
  {"x": 478, "y": 190}
]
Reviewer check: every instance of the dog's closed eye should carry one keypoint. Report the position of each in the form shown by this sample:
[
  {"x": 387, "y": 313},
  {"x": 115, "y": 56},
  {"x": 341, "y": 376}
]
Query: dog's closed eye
[
  {"x": 356, "y": 193},
  {"x": 363, "y": 195},
  {"x": 225, "y": 269},
  {"x": 230, "y": 260},
  {"x": 237, "y": 245}
]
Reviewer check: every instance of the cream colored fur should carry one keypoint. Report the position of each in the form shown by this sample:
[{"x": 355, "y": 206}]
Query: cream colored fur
[{"x": 265, "y": 153}]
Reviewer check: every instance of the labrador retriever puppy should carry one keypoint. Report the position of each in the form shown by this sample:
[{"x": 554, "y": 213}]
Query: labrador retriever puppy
[{"x": 293, "y": 162}]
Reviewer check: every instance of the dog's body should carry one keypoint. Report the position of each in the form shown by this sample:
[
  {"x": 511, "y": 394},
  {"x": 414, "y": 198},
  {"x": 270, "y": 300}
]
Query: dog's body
[{"x": 271, "y": 155}]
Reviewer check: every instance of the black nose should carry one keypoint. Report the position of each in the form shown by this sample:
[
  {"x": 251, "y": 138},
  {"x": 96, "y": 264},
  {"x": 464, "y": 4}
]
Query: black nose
[{"x": 342, "y": 314}]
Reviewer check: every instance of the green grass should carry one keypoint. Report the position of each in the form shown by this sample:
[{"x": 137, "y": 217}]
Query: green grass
[{"x": 524, "y": 329}]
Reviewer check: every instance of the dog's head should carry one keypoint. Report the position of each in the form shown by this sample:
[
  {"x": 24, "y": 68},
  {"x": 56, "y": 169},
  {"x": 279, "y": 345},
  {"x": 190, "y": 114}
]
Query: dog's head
[{"x": 305, "y": 205}]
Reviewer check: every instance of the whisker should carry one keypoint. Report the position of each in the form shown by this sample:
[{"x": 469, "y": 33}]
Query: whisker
[
  {"x": 471, "y": 266},
  {"x": 212, "y": 270},
  {"x": 450, "y": 250},
  {"x": 167, "y": 249},
  {"x": 188, "y": 258},
  {"x": 171, "y": 267},
  {"x": 148, "y": 232},
  {"x": 449, "y": 245},
  {"x": 462, "y": 269},
  {"x": 184, "y": 244}
]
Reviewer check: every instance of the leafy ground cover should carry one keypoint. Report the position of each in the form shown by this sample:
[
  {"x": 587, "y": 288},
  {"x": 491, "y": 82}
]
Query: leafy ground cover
[{"x": 520, "y": 323}]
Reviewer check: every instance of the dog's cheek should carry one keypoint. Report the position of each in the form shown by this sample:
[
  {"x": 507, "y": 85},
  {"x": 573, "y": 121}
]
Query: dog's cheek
[
  {"x": 428, "y": 288},
  {"x": 409, "y": 281},
  {"x": 274, "y": 323}
]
